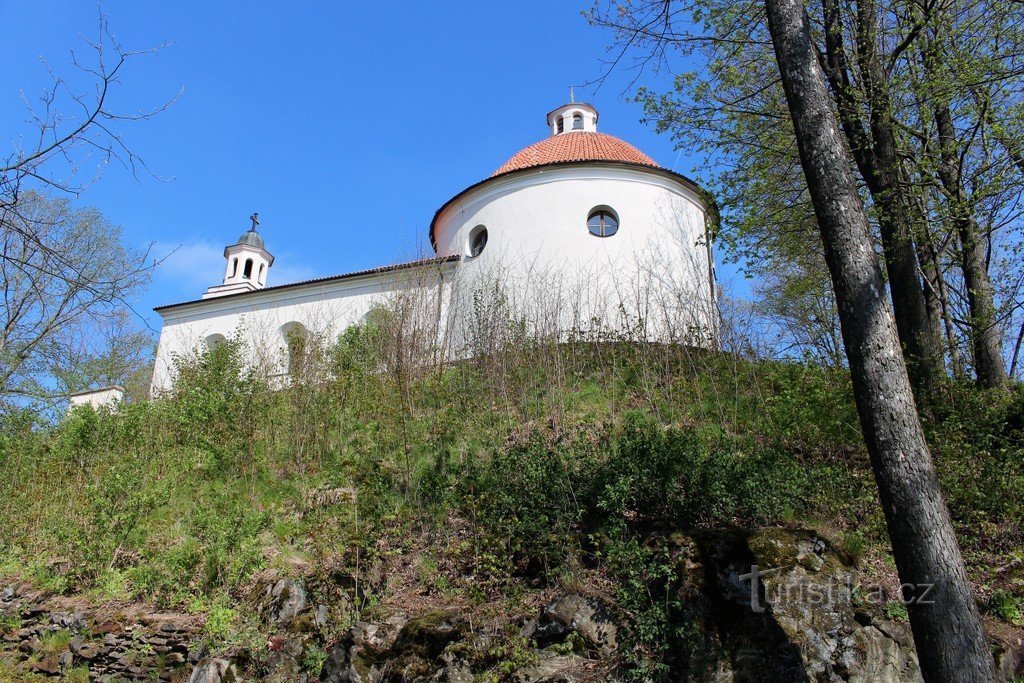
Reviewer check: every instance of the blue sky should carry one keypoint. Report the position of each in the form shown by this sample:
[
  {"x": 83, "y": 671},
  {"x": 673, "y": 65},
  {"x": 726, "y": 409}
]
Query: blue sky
[{"x": 345, "y": 125}]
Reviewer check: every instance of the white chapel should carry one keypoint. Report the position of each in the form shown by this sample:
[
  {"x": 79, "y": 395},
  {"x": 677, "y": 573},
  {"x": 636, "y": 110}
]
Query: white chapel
[{"x": 580, "y": 234}]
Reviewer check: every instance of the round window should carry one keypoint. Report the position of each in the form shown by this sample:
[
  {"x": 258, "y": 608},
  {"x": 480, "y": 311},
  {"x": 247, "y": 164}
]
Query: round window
[
  {"x": 602, "y": 223},
  {"x": 477, "y": 240}
]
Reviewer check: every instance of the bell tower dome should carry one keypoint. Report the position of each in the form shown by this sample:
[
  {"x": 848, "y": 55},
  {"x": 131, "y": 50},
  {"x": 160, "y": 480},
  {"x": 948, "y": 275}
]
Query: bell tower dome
[{"x": 247, "y": 264}]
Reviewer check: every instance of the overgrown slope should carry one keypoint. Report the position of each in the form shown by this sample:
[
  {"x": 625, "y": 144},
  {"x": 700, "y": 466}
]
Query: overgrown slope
[{"x": 497, "y": 478}]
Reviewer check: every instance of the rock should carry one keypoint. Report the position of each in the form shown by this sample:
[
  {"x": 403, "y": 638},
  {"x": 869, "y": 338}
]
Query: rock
[
  {"x": 321, "y": 616},
  {"x": 215, "y": 670},
  {"x": 197, "y": 655},
  {"x": 364, "y": 633},
  {"x": 282, "y": 668},
  {"x": 338, "y": 667},
  {"x": 883, "y": 659},
  {"x": 586, "y": 618},
  {"x": 552, "y": 668},
  {"x": 46, "y": 666},
  {"x": 287, "y": 600},
  {"x": 453, "y": 673},
  {"x": 414, "y": 652},
  {"x": 427, "y": 635},
  {"x": 82, "y": 649},
  {"x": 798, "y": 620}
]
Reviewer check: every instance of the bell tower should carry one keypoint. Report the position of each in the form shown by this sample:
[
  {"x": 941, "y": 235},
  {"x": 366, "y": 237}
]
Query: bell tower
[
  {"x": 247, "y": 264},
  {"x": 573, "y": 117}
]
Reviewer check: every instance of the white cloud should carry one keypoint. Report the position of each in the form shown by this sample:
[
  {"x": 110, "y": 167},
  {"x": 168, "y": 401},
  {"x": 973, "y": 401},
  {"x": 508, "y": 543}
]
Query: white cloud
[{"x": 190, "y": 267}]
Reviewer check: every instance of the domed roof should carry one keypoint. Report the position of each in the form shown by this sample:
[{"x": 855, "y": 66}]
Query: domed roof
[
  {"x": 252, "y": 238},
  {"x": 572, "y": 146}
]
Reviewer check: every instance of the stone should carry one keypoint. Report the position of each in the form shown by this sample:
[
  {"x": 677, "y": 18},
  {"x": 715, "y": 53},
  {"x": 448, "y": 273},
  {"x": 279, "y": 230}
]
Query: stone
[
  {"x": 552, "y": 668},
  {"x": 88, "y": 651},
  {"x": 321, "y": 617},
  {"x": 338, "y": 667},
  {"x": 287, "y": 600},
  {"x": 586, "y": 618},
  {"x": 282, "y": 668},
  {"x": 47, "y": 666},
  {"x": 215, "y": 670},
  {"x": 798, "y": 621},
  {"x": 453, "y": 673},
  {"x": 196, "y": 655},
  {"x": 364, "y": 633}
]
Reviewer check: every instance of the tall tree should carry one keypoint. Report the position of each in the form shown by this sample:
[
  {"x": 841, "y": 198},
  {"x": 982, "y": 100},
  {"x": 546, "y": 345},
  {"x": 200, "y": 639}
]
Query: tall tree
[
  {"x": 727, "y": 102},
  {"x": 965, "y": 174},
  {"x": 947, "y": 629},
  {"x": 64, "y": 273},
  {"x": 64, "y": 270}
]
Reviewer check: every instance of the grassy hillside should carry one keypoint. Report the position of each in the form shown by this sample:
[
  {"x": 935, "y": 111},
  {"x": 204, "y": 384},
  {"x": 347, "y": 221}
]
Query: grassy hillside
[{"x": 518, "y": 470}]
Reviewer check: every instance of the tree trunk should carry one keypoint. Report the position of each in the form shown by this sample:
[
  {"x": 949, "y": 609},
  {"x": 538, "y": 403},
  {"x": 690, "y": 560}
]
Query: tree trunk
[
  {"x": 896, "y": 215},
  {"x": 936, "y": 299},
  {"x": 876, "y": 154},
  {"x": 986, "y": 341},
  {"x": 947, "y": 628}
]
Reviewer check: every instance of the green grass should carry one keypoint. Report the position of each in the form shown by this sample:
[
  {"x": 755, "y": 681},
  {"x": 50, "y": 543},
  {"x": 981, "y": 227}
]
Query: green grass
[{"x": 553, "y": 453}]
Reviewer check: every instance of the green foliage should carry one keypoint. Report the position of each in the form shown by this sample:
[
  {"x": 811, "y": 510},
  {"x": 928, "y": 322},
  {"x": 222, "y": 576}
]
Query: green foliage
[
  {"x": 313, "y": 659},
  {"x": 521, "y": 471},
  {"x": 897, "y": 611},
  {"x": 220, "y": 624},
  {"x": 1007, "y": 607}
]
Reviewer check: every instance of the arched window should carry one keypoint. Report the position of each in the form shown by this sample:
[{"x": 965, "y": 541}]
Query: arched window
[
  {"x": 561, "y": 124},
  {"x": 247, "y": 271},
  {"x": 261, "y": 279},
  {"x": 234, "y": 267},
  {"x": 477, "y": 240},
  {"x": 296, "y": 340},
  {"x": 213, "y": 341},
  {"x": 602, "y": 222},
  {"x": 577, "y": 121}
]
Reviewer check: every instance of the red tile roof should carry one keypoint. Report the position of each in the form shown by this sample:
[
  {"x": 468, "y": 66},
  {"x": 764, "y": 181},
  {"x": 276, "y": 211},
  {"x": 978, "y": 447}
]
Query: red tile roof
[{"x": 575, "y": 146}]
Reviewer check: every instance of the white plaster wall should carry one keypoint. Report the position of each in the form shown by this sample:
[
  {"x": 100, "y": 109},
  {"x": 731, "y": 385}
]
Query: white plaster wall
[
  {"x": 657, "y": 267},
  {"x": 324, "y": 309},
  {"x": 107, "y": 396},
  {"x": 653, "y": 276}
]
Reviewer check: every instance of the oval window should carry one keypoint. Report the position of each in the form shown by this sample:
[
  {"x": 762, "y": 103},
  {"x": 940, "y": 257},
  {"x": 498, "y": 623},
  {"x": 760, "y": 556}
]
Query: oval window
[
  {"x": 477, "y": 240},
  {"x": 602, "y": 223}
]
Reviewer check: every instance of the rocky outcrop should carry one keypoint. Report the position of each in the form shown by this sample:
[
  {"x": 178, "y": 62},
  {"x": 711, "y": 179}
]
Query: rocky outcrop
[
  {"x": 586, "y": 617},
  {"x": 214, "y": 670},
  {"x": 760, "y": 606},
  {"x": 786, "y": 603},
  {"x": 53, "y": 636},
  {"x": 287, "y": 599},
  {"x": 764, "y": 606}
]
